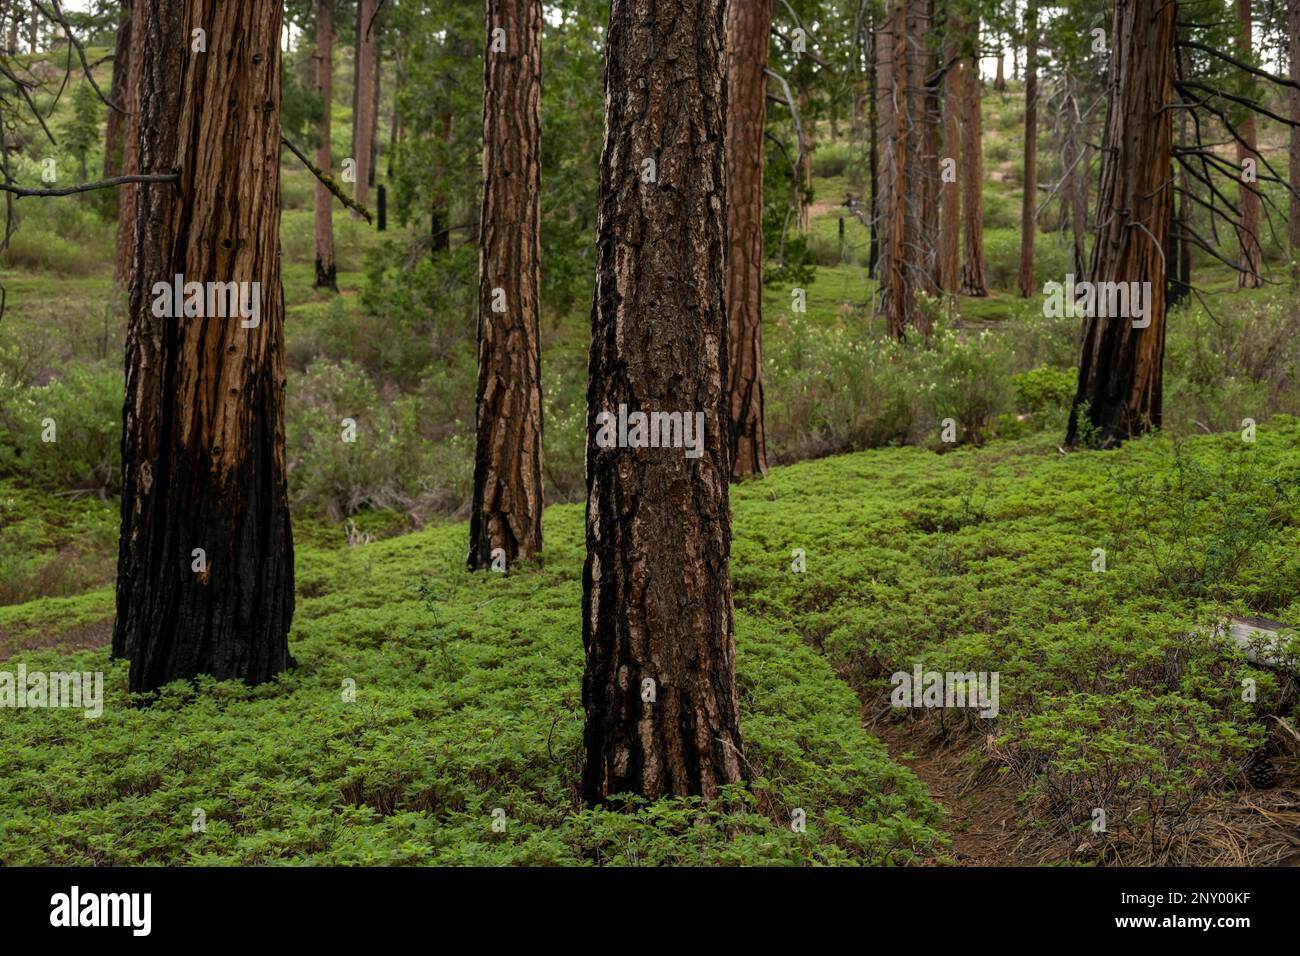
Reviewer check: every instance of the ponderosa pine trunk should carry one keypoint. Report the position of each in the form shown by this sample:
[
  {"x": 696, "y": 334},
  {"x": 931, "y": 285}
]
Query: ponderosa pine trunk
[
  {"x": 362, "y": 122},
  {"x": 326, "y": 270},
  {"x": 1293, "y": 21},
  {"x": 375, "y": 99},
  {"x": 126, "y": 195},
  {"x": 1029, "y": 201},
  {"x": 119, "y": 95},
  {"x": 950, "y": 192},
  {"x": 1121, "y": 366},
  {"x": 898, "y": 248},
  {"x": 973, "y": 282},
  {"x": 1250, "y": 263},
  {"x": 873, "y": 149},
  {"x": 507, "y": 510},
  {"x": 205, "y": 567},
  {"x": 659, "y": 687},
  {"x": 748, "y": 31}
]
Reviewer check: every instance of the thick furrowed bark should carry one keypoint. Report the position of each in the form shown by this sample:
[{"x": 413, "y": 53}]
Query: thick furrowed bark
[
  {"x": 950, "y": 193},
  {"x": 657, "y": 592},
  {"x": 748, "y": 30},
  {"x": 1120, "y": 369},
  {"x": 203, "y": 432},
  {"x": 507, "y": 511}
]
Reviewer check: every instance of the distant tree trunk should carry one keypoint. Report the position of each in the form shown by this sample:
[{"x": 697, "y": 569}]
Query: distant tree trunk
[
  {"x": 118, "y": 95},
  {"x": 950, "y": 208},
  {"x": 873, "y": 149},
  {"x": 34, "y": 29},
  {"x": 375, "y": 100},
  {"x": 897, "y": 249},
  {"x": 1074, "y": 159},
  {"x": 14, "y": 19},
  {"x": 395, "y": 115},
  {"x": 659, "y": 687},
  {"x": 1293, "y": 29},
  {"x": 203, "y": 456},
  {"x": 972, "y": 175},
  {"x": 748, "y": 31},
  {"x": 1121, "y": 366},
  {"x": 326, "y": 272},
  {"x": 1029, "y": 201},
  {"x": 928, "y": 143},
  {"x": 362, "y": 122},
  {"x": 1000, "y": 79},
  {"x": 805, "y": 156},
  {"x": 126, "y": 198},
  {"x": 1178, "y": 255},
  {"x": 439, "y": 227},
  {"x": 507, "y": 511},
  {"x": 1250, "y": 264}
]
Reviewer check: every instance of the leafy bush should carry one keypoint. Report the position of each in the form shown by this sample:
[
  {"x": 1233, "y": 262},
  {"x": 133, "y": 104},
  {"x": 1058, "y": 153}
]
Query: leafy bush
[{"x": 83, "y": 412}]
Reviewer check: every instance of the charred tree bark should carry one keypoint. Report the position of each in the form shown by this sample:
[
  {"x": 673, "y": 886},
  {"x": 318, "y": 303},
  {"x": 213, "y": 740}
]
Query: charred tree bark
[
  {"x": 1121, "y": 366},
  {"x": 326, "y": 271},
  {"x": 1250, "y": 264},
  {"x": 362, "y": 121},
  {"x": 659, "y": 687},
  {"x": 1029, "y": 202},
  {"x": 508, "y": 462},
  {"x": 748, "y": 30},
  {"x": 972, "y": 175},
  {"x": 130, "y": 153},
  {"x": 119, "y": 95},
  {"x": 203, "y": 432}
]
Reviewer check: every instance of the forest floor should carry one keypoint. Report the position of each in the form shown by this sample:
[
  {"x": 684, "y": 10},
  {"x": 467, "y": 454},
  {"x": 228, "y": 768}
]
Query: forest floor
[{"x": 468, "y": 686}]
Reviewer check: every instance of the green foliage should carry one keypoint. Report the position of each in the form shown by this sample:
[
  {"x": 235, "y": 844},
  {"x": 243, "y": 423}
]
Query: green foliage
[
  {"x": 85, "y": 407},
  {"x": 467, "y": 690}
]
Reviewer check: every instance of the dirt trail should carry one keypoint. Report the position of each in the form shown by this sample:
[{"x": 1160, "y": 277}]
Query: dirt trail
[{"x": 983, "y": 812}]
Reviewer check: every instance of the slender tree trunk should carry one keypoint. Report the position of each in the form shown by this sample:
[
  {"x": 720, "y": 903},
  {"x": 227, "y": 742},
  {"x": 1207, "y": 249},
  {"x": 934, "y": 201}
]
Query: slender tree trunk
[
  {"x": 118, "y": 95},
  {"x": 972, "y": 176},
  {"x": 14, "y": 19},
  {"x": 439, "y": 227},
  {"x": 1250, "y": 262},
  {"x": 1076, "y": 160},
  {"x": 126, "y": 195},
  {"x": 805, "y": 157},
  {"x": 1120, "y": 369},
  {"x": 950, "y": 192},
  {"x": 362, "y": 124},
  {"x": 376, "y": 97},
  {"x": 203, "y": 439},
  {"x": 1293, "y": 29},
  {"x": 930, "y": 109},
  {"x": 1029, "y": 202},
  {"x": 1000, "y": 78},
  {"x": 326, "y": 272},
  {"x": 748, "y": 31},
  {"x": 660, "y": 687},
  {"x": 873, "y": 141},
  {"x": 34, "y": 29},
  {"x": 507, "y": 511}
]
